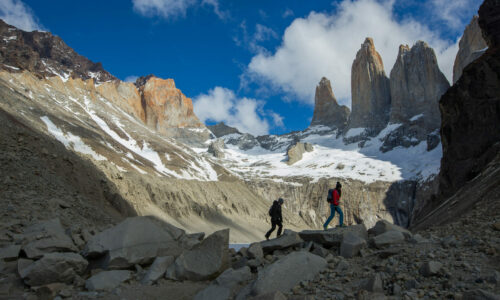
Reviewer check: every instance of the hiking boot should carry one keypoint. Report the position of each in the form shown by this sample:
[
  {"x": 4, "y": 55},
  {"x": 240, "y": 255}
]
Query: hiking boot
[
  {"x": 343, "y": 225},
  {"x": 267, "y": 238},
  {"x": 325, "y": 228}
]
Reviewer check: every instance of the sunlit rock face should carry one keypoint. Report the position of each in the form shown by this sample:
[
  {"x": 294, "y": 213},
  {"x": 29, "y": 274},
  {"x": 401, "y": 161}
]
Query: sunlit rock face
[
  {"x": 371, "y": 96},
  {"x": 327, "y": 111},
  {"x": 416, "y": 85},
  {"x": 471, "y": 46}
]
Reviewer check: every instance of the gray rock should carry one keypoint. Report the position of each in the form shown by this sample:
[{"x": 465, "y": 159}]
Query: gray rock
[
  {"x": 320, "y": 251},
  {"x": 333, "y": 237},
  {"x": 232, "y": 277},
  {"x": 373, "y": 284},
  {"x": 53, "y": 267},
  {"x": 221, "y": 129},
  {"x": 295, "y": 152},
  {"x": 254, "y": 263},
  {"x": 136, "y": 240},
  {"x": 284, "y": 275},
  {"x": 240, "y": 263},
  {"x": 388, "y": 238},
  {"x": 206, "y": 260},
  {"x": 351, "y": 244},
  {"x": 384, "y": 226},
  {"x": 276, "y": 295},
  {"x": 214, "y": 292},
  {"x": 430, "y": 268},
  {"x": 107, "y": 280},
  {"x": 255, "y": 251},
  {"x": 216, "y": 148},
  {"x": 157, "y": 269},
  {"x": 45, "y": 237},
  {"x": 10, "y": 252},
  {"x": 480, "y": 295},
  {"x": 418, "y": 239},
  {"x": 287, "y": 239}
]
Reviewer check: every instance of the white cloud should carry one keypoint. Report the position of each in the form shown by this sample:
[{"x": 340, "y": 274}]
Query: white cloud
[
  {"x": 324, "y": 44},
  {"x": 131, "y": 78},
  {"x": 222, "y": 105},
  {"x": 262, "y": 33},
  {"x": 287, "y": 13},
  {"x": 168, "y": 9},
  {"x": 16, "y": 13},
  {"x": 454, "y": 13}
]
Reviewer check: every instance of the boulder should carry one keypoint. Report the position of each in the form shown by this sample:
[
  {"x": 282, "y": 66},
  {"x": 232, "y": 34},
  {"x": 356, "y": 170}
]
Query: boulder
[
  {"x": 287, "y": 272},
  {"x": 388, "y": 238},
  {"x": 10, "y": 252},
  {"x": 351, "y": 244},
  {"x": 136, "y": 240},
  {"x": 479, "y": 294},
  {"x": 216, "y": 148},
  {"x": 224, "y": 285},
  {"x": 205, "y": 261},
  {"x": 157, "y": 269},
  {"x": 333, "y": 237},
  {"x": 287, "y": 239},
  {"x": 276, "y": 295},
  {"x": 107, "y": 280},
  {"x": 232, "y": 277},
  {"x": 45, "y": 237},
  {"x": 320, "y": 251},
  {"x": 383, "y": 226},
  {"x": 214, "y": 292},
  {"x": 430, "y": 268},
  {"x": 255, "y": 251},
  {"x": 296, "y": 151},
  {"x": 373, "y": 284},
  {"x": 327, "y": 111},
  {"x": 53, "y": 267}
]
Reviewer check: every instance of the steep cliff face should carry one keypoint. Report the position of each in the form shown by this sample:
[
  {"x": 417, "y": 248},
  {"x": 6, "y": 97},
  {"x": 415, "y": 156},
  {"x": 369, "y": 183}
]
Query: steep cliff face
[
  {"x": 416, "y": 86},
  {"x": 221, "y": 129},
  {"x": 370, "y": 89},
  {"x": 470, "y": 131},
  {"x": 470, "y": 47},
  {"x": 327, "y": 111},
  {"x": 45, "y": 55}
]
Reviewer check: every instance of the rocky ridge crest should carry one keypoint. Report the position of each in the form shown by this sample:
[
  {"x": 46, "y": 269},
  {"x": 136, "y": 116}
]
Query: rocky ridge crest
[{"x": 327, "y": 111}]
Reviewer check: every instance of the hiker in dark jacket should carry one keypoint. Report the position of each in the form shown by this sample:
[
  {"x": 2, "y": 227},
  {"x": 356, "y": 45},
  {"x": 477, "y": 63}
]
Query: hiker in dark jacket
[
  {"x": 276, "y": 218},
  {"x": 334, "y": 200}
]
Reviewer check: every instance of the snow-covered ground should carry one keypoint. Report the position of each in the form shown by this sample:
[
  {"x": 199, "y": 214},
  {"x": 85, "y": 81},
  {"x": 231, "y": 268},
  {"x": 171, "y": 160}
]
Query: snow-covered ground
[{"x": 332, "y": 158}]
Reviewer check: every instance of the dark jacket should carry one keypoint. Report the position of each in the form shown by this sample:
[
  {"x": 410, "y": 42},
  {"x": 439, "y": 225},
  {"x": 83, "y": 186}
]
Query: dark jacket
[{"x": 275, "y": 211}]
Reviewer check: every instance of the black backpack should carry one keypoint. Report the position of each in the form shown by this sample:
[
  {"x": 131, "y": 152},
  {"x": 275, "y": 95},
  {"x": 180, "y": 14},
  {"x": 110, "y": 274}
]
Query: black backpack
[
  {"x": 271, "y": 210},
  {"x": 329, "y": 198}
]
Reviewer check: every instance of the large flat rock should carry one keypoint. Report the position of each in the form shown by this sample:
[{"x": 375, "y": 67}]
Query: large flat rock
[
  {"x": 204, "y": 261},
  {"x": 287, "y": 239},
  {"x": 333, "y": 237},
  {"x": 46, "y": 237},
  {"x": 53, "y": 267},
  {"x": 136, "y": 240},
  {"x": 107, "y": 280},
  {"x": 287, "y": 272}
]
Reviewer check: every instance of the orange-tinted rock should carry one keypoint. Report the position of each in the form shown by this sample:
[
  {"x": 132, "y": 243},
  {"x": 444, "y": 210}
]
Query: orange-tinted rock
[
  {"x": 166, "y": 106},
  {"x": 326, "y": 109}
]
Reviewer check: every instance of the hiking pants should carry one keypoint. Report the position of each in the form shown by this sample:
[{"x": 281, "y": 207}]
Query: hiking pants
[
  {"x": 274, "y": 223},
  {"x": 334, "y": 208}
]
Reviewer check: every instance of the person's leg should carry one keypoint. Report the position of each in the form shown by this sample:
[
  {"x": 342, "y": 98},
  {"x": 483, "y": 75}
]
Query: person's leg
[
  {"x": 280, "y": 228},
  {"x": 268, "y": 234},
  {"x": 330, "y": 218},
  {"x": 341, "y": 215}
]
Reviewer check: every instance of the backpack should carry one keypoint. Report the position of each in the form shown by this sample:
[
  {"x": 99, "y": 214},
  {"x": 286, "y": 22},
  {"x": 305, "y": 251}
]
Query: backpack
[
  {"x": 329, "y": 198},
  {"x": 271, "y": 210}
]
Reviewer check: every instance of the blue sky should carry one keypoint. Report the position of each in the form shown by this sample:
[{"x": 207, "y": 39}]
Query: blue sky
[{"x": 253, "y": 64}]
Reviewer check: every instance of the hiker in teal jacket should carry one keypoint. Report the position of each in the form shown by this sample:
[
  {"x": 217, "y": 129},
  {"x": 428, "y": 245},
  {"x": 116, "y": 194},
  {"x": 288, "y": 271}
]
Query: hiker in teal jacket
[{"x": 334, "y": 200}]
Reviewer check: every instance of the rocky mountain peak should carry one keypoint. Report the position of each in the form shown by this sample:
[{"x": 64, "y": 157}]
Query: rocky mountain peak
[
  {"x": 45, "y": 55},
  {"x": 221, "y": 129},
  {"x": 370, "y": 90},
  {"x": 326, "y": 109},
  {"x": 416, "y": 84},
  {"x": 469, "y": 48},
  {"x": 490, "y": 22}
]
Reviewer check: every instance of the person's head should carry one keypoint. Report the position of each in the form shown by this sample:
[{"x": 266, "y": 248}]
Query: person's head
[
  {"x": 280, "y": 201},
  {"x": 338, "y": 186}
]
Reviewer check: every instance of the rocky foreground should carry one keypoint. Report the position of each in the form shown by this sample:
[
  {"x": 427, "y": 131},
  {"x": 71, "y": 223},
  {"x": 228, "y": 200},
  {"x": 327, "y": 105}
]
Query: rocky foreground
[{"x": 143, "y": 257}]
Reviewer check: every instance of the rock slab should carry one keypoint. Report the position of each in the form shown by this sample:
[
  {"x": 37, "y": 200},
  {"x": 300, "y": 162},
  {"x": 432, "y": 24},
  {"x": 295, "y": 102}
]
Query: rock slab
[{"x": 107, "y": 280}]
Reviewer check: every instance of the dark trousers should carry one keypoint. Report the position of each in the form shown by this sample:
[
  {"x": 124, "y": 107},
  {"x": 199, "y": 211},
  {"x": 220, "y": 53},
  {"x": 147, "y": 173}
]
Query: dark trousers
[{"x": 274, "y": 223}]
